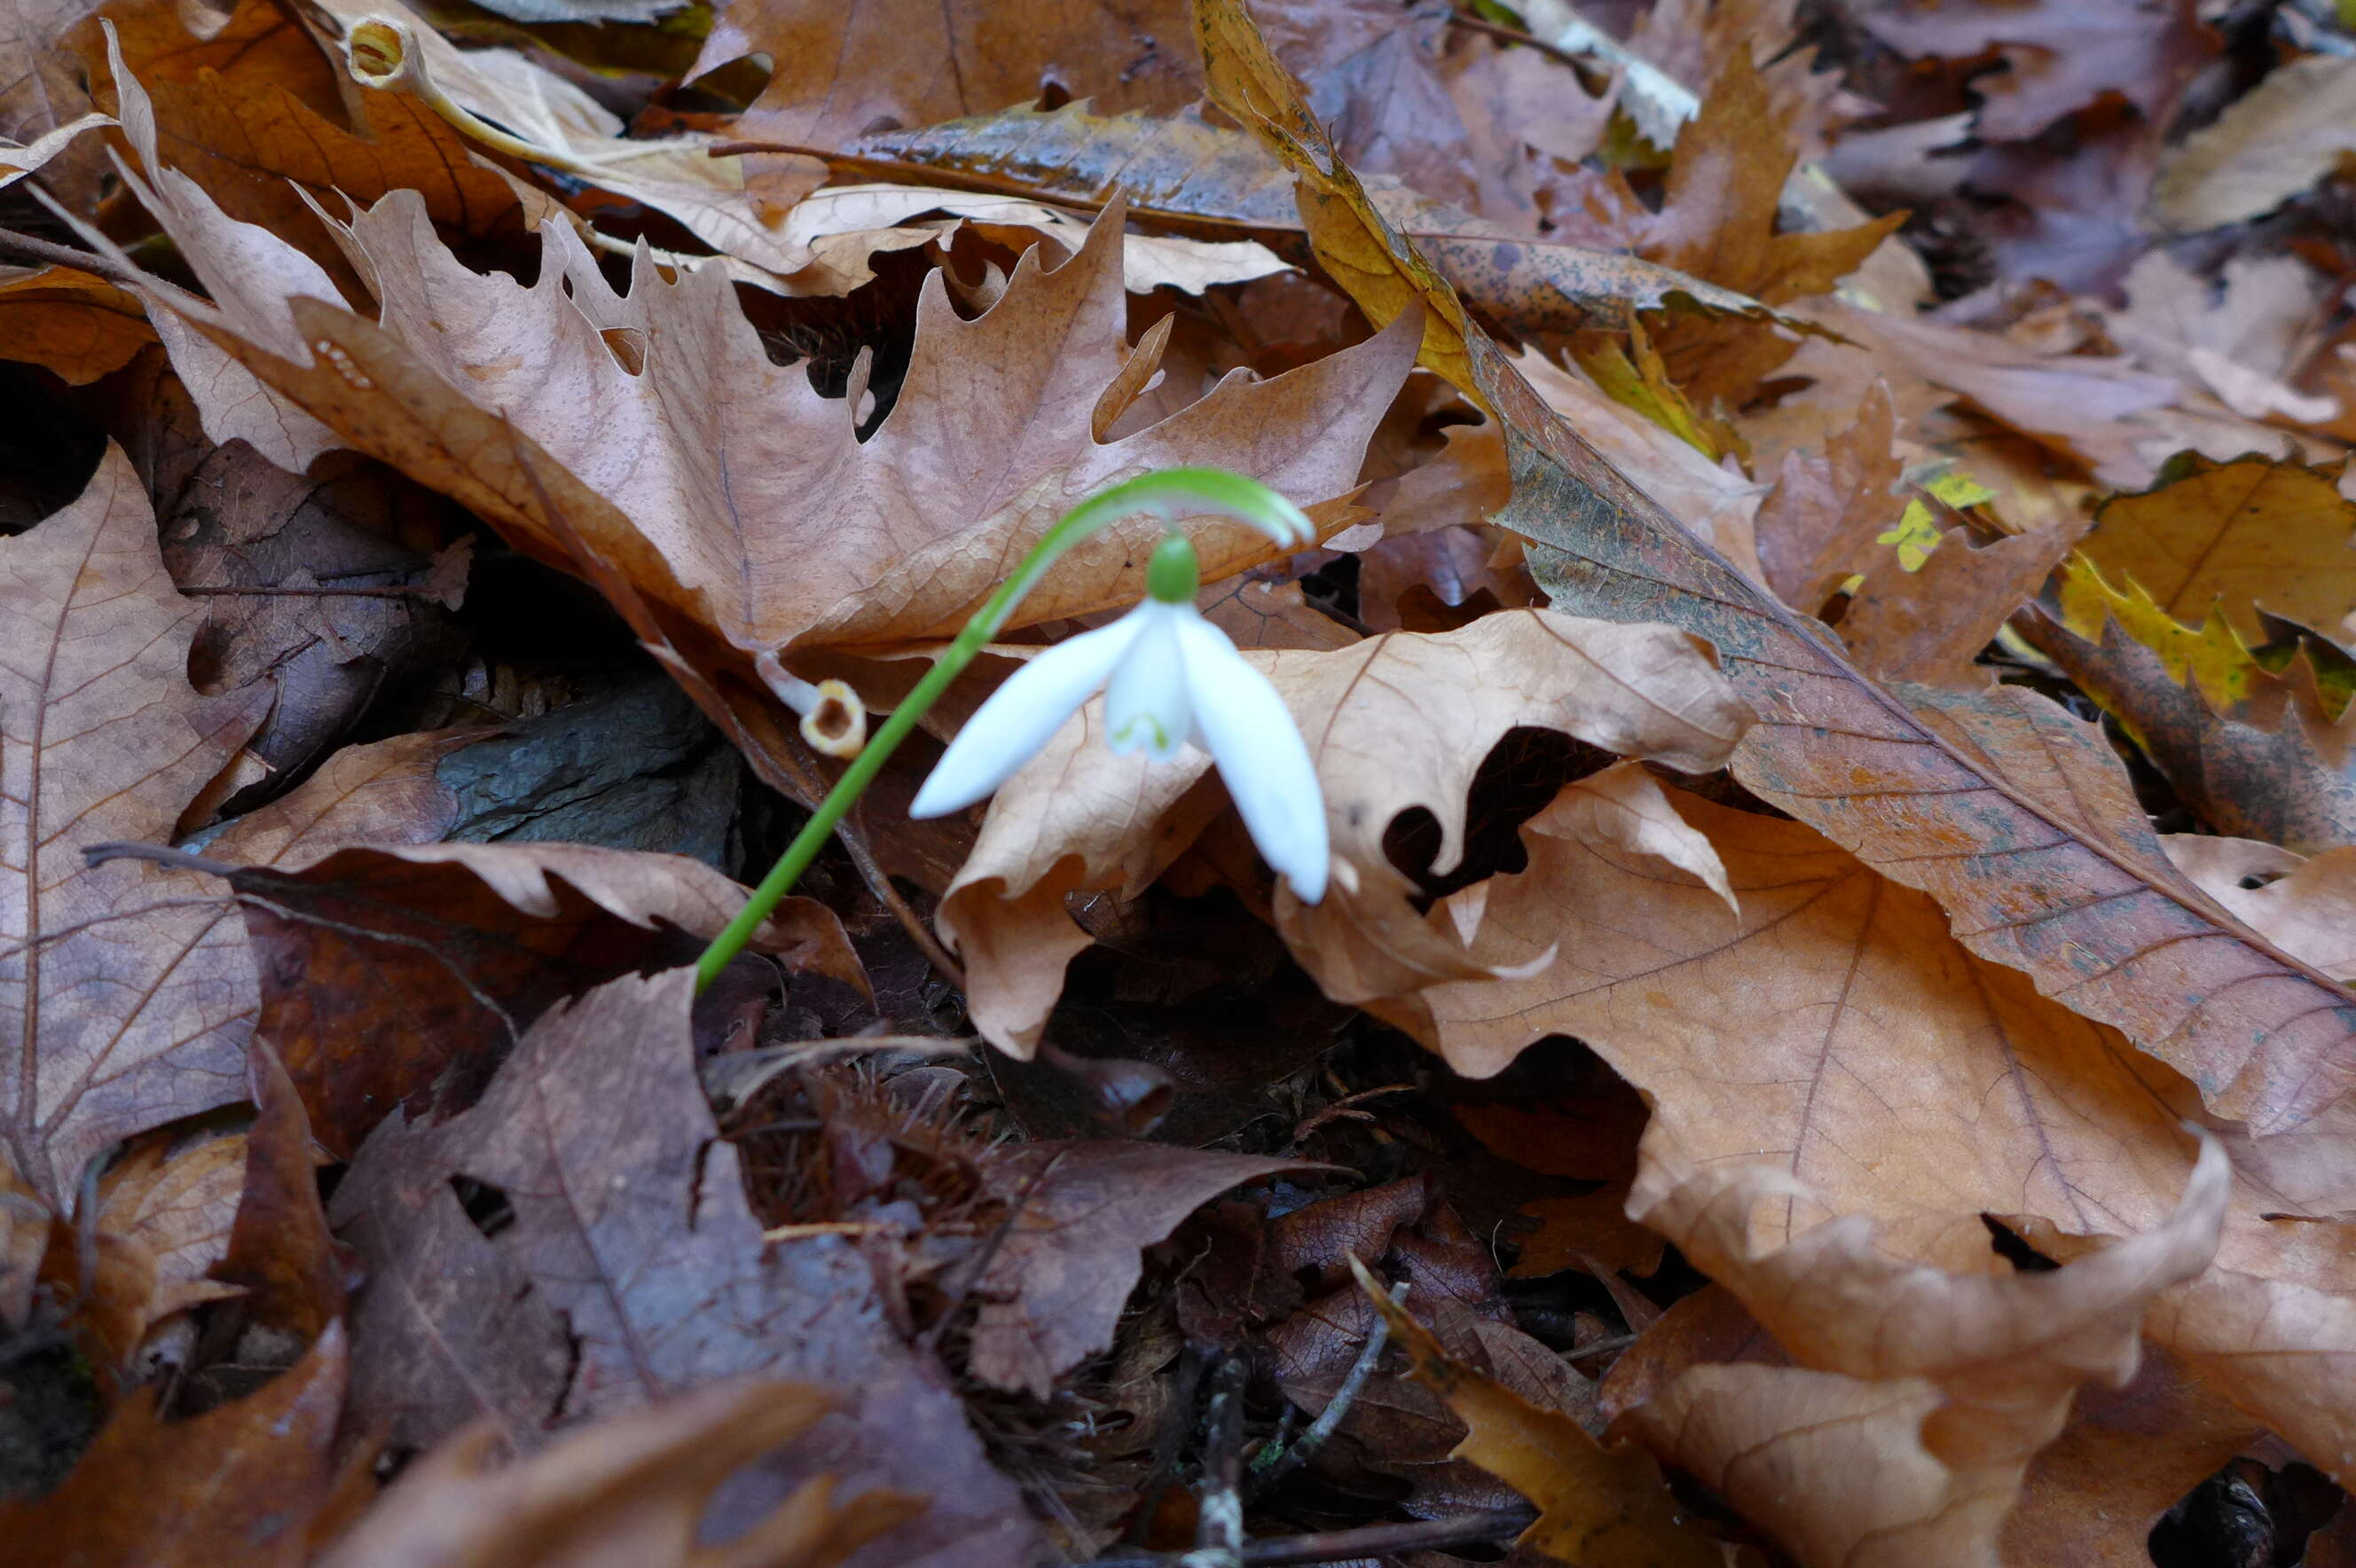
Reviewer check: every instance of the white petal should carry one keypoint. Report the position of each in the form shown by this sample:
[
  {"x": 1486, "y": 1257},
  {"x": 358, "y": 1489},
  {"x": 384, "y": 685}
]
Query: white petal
[
  {"x": 1250, "y": 734},
  {"x": 1022, "y": 716},
  {"x": 1146, "y": 707}
]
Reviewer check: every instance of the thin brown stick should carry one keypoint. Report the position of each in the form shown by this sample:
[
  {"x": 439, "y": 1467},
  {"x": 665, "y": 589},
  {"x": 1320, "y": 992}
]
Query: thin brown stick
[
  {"x": 386, "y": 590},
  {"x": 1516, "y": 36},
  {"x": 50, "y": 254}
]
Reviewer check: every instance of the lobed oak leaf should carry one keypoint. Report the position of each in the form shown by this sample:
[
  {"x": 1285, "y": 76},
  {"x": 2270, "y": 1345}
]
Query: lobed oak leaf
[
  {"x": 1921, "y": 1394},
  {"x": 632, "y": 1241},
  {"x": 1817, "y": 526},
  {"x": 631, "y": 1490},
  {"x": 1928, "y": 626},
  {"x": 1394, "y": 722},
  {"x": 130, "y": 991},
  {"x": 709, "y": 449},
  {"x": 2240, "y": 339}
]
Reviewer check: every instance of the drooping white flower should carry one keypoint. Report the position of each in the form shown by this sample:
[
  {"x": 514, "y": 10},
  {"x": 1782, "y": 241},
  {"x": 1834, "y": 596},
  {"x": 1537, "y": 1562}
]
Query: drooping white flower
[{"x": 1169, "y": 678}]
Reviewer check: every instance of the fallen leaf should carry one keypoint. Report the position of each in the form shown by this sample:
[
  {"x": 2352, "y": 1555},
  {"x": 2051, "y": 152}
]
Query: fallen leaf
[
  {"x": 1921, "y": 1394},
  {"x": 632, "y": 1243},
  {"x": 70, "y": 321},
  {"x": 2058, "y": 58},
  {"x": 2230, "y": 535},
  {"x": 1397, "y": 721},
  {"x": 544, "y": 118},
  {"x": 837, "y": 72},
  {"x": 280, "y": 1254},
  {"x": 2269, "y": 144},
  {"x": 394, "y": 975},
  {"x": 1081, "y": 1214},
  {"x": 237, "y": 1484},
  {"x": 629, "y": 1490},
  {"x": 1607, "y": 1506},
  {"x": 1928, "y": 625},
  {"x": 1817, "y": 526},
  {"x": 161, "y": 1222},
  {"x": 2305, "y": 907},
  {"x": 2241, "y": 338},
  {"x": 130, "y": 988}
]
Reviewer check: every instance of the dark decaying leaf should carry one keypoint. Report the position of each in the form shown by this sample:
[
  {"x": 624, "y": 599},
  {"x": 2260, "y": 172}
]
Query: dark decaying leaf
[{"x": 628, "y": 1264}]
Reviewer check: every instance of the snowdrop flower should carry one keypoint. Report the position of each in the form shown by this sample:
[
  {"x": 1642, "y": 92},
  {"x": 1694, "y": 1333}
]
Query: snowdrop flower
[{"x": 1168, "y": 677}]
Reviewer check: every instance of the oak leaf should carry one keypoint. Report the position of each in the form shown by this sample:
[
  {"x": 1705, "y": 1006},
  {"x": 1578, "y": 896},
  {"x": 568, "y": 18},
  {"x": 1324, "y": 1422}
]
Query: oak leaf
[
  {"x": 2240, "y": 339},
  {"x": 1394, "y": 722},
  {"x": 1921, "y": 1394},
  {"x": 2305, "y": 906},
  {"x": 629, "y": 1490},
  {"x": 707, "y": 446},
  {"x": 1929, "y": 624}
]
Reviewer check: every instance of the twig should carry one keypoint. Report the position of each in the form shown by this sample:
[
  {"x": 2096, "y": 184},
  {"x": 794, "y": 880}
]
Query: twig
[
  {"x": 1167, "y": 1442},
  {"x": 388, "y": 591},
  {"x": 1347, "y": 1545},
  {"x": 1516, "y": 36},
  {"x": 1272, "y": 1463},
  {"x": 1219, "y": 1532},
  {"x": 51, "y": 254}
]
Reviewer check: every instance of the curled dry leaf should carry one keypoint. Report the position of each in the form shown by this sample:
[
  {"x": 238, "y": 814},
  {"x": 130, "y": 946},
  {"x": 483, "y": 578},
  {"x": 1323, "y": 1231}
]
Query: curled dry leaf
[
  {"x": 128, "y": 987},
  {"x": 1082, "y": 1213},
  {"x": 2269, "y": 144},
  {"x": 1394, "y": 722},
  {"x": 630, "y": 1490},
  {"x": 237, "y": 1484},
  {"x": 162, "y": 1223},
  {"x": 1604, "y": 1505},
  {"x": 634, "y": 1271},
  {"x": 1921, "y": 1394},
  {"x": 70, "y": 321}
]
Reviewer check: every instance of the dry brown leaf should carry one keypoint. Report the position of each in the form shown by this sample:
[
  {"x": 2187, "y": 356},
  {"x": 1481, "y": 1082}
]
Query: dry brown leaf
[
  {"x": 1394, "y": 722},
  {"x": 235, "y": 112},
  {"x": 634, "y": 1271},
  {"x": 388, "y": 47},
  {"x": 129, "y": 988},
  {"x": 1082, "y": 1214},
  {"x": 2269, "y": 144},
  {"x": 70, "y": 321},
  {"x": 1818, "y": 526},
  {"x": 1929, "y": 624},
  {"x": 1921, "y": 1394},
  {"x": 629, "y": 1492},
  {"x": 1605, "y": 1505},
  {"x": 700, "y": 440},
  {"x": 238, "y": 1484},
  {"x": 2245, "y": 536},
  {"x": 2059, "y": 55},
  {"x": 162, "y": 1223},
  {"x": 839, "y": 70},
  {"x": 2240, "y": 339},
  {"x": 2305, "y": 907}
]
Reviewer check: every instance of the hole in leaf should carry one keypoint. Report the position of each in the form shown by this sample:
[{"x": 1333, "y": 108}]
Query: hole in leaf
[{"x": 486, "y": 1205}]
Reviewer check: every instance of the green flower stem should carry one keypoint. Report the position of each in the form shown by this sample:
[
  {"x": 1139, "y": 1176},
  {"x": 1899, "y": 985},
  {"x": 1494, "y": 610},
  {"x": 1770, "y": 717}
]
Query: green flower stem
[{"x": 1171, "y": 494}]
